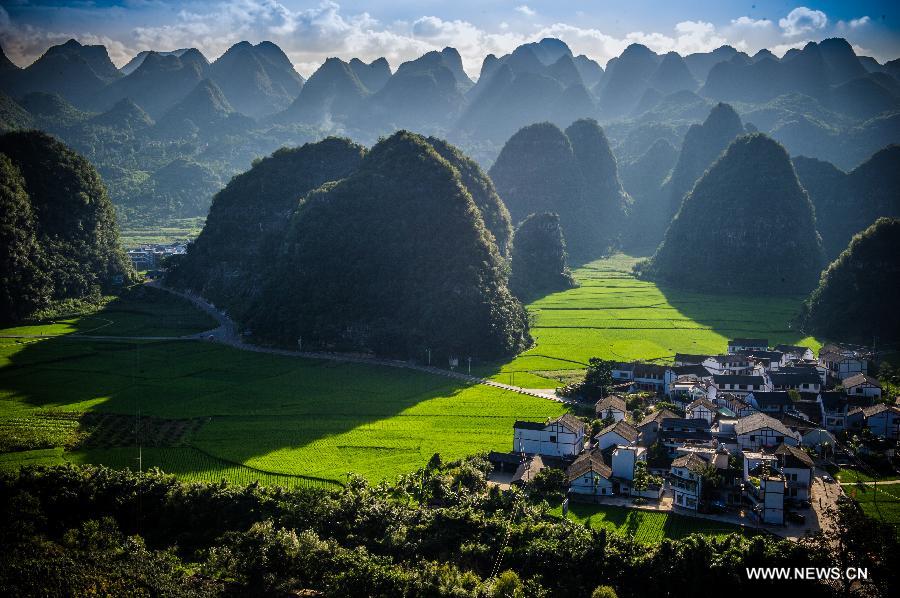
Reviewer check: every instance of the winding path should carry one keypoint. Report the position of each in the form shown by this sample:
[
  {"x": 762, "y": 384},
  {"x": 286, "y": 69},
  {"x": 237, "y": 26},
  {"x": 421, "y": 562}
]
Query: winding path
[{"x": 226, "y": 334}]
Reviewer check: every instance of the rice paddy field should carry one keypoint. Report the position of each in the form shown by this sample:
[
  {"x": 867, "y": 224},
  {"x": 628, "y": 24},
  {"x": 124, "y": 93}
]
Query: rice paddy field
[
  {"x": 647, "y": 527},
  {"x": 206, "y": 411},
  {"x": 881, "y": 502},
  {"x": 612, "y": 315},
  {"x": 218, "y": 412}
]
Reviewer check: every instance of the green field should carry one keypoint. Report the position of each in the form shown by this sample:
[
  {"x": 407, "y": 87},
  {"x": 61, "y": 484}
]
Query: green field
[
  {"x": 612, "y": 315},
  {"x": 261, "y": 414},
  {"x": 849, "y": 474},
  {"x": 647, "y": 527},
  {"x": 881, "y": 503},
  {"x": 169, "y": 232}
]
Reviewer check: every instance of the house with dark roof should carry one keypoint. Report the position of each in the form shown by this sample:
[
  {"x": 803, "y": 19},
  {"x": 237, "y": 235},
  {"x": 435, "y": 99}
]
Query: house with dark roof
[
  {"x": 759, "y": 430},
  {"x": 732, "y": 363},
  {"x": 675, "y": 373},
  {"x": 619, "y": 433},
  {"x": 613, "y": 407},
  {"x": 527, "y": 470},
  {"x": 683, "y": 359},
  {"x": 802, "y": 381},
  {"x": 686, "y": 479},
  {"x": 560, "y": 437},
  {"x": 834, "y": 407},
  {"x": 795, "y": 352},
  {"x": 748, "y": 344},
  {"x": 650, "y": 377},
  {"x": 740, "y": 385},
  {"x": 797, "y": 468},
  {"x": 702, "y": 409},
  {"x": 842, "y": 361},
  {"x": 678, "y": 432},
  {"x": 882, "y": 420},
  {"x": 650, "y": 425},
  {"x": 862, "y": 385},
  {"x": 589, "y": 475},
  {"x": 764, "y": 486},
  {"x": 773, "y": 403}
]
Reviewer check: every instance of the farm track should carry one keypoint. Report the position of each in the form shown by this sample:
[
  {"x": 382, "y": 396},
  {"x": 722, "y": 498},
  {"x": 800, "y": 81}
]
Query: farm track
[{"x": 226, "y": 334}]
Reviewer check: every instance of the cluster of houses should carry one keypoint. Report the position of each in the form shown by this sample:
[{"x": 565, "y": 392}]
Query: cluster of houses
[
  {"x": 148, "y": 257},
  {"x": 751, "y": 417}
]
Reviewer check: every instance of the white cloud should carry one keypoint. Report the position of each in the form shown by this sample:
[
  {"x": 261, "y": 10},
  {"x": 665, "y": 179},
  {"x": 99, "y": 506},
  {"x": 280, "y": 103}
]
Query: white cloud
[
  {"x": 860, "y": 22},
  {"x": 751, "y": 22},
  {"x": 802, "y": 20},
  {"x": 526, "y": 10}
]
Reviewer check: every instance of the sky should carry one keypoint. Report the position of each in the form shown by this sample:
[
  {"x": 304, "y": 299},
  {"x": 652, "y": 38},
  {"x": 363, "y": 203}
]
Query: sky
[{"x": 310, "y": 31}]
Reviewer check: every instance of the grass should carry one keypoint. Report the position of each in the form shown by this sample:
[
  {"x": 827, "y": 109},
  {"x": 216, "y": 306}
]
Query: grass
[
  {"x": 612, "y": 315},
  {"x": 280, "y": 416},
  {"x": 169, "y": 232},
  {"x": 881, "y": 503},
  {"x": 647, "y": 527},
  {"x": 849, "y": 474}
]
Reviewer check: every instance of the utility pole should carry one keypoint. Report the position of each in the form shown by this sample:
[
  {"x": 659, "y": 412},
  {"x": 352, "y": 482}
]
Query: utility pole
[
  {"x": 429, "y": 356},
  {"x": 470, "y": 366},
  {"x": 300, "y": 344}
]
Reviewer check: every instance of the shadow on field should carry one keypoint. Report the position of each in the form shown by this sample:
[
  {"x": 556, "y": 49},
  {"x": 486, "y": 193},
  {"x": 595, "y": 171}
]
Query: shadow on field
[
  {"x": 255, "y": 402},
  {"x": 735, "y": 315}
]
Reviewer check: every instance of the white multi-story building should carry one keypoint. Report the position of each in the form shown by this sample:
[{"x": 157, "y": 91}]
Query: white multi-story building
[{"x": 561, "y": 437}]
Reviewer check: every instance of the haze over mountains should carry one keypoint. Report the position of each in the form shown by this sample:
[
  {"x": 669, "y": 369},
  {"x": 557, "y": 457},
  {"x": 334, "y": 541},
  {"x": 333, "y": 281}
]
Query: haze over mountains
[{"x": 168, "y": 129}]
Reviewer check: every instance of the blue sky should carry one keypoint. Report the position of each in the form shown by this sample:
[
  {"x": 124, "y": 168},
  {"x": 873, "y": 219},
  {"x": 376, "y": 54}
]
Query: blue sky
[{"x": 310, "y": 31}]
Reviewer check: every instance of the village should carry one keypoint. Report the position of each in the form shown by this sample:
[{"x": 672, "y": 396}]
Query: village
[{"x": 747, "y": 437}]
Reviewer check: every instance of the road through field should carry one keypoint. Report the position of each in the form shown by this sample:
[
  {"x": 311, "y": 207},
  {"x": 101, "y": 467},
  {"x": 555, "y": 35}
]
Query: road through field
[{"x": 226, "y": 333}]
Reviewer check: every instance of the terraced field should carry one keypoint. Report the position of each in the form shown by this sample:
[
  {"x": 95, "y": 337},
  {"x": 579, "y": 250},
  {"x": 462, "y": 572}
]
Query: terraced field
[
  {"x": 647, "y": 527},
  {"x": 263, "y": 415},
  {"x": 612, "y": 315}
]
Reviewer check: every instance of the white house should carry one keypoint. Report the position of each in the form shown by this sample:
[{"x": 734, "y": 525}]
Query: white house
[
  {"x": 612, "y": 406},
  {"x": 748, "y": 344},
  {"x": 773, "y": 403},
  {"x": 682, "y": 359},
  {"x": 760, "y": 430},
  {"x": 842, "y": 361},
  {"x": 797, "y": 468},
  {"x": 649, "y": 426},
  {"x": 881, "y": 420},
  {"x": 561, "y": 437},
  {"x": 862, "y": 385},
  {"x": 619, "y": 433},
  {"x": 687, "y": 481},
  {"x": 740, "y": 385},
  {"x": 702, "y": 409},
  {"x": 802, "y": 381},
  {"x": 624, "y": 459},
  {"x": 795, "y": 352},
  {"x": 834, "y": 410},
  {"x": 765, "y": 486},
  {"x": 736, "y": 363},
  {"x": 590, "y": 475}
]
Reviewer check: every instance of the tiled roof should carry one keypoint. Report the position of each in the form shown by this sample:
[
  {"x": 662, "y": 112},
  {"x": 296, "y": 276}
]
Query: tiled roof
[
  {"x": 788, "y": 378},
  {"x": 759, "y": 420},
  {"x": 709, "y": 405},
  {"x": 691, "y": 461},
  {"x": 879, "y": 408},
  {"x": 657, "y": 415},
  {"x": 857, "y": 379},
  {"x": 737, "y": 379},
  {"x": 614, "y": 402},
  {"x": 590, "y": 461},
  {"x": 623, "y": 429},
  {"x": 791, "y": 453},
  {"x": 780, "y": 397}
]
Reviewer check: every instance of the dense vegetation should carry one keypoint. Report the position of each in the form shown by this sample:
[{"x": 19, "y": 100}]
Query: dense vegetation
[
  {"x": 573, "y": 174},
  {"x": 437, "y": 532},
  {"x": 393, "y": 259},
  {"x": 746, "y": 226},
  {"x": 848, "y": 203},
  {"x": 229, "y": 261},
  {"x": 856, "y": 299},
  {"x": 58, "y": 229},
  {"x": 539, "y": 258}
]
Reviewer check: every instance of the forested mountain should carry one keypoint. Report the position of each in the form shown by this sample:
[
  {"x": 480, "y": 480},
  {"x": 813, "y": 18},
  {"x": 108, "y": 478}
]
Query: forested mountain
[
  {"x": 436, "y": 280},
  {"x": 857, "y": 296},
  {"x": 823, "y": 101},
  {"x": 848, "y": 203},
  {"x": 746, "y": 226},
  {"x": 539, "y": 264},
  {"x": 58, "y": 230},
  {"x": 573, "y": 174},
  {"x": 229, "y": 260},
  {"x": 643, "y": 179},
  {"x": 257, "y": 80}
]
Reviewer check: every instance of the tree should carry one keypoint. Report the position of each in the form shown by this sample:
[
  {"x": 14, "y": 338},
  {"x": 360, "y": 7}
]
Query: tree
[
  {"x": 641, "y": 477},
  {"x": 508, "y": 585},
  {"x": 604, "y": 592},
  {"x": 548, "y": 484}
]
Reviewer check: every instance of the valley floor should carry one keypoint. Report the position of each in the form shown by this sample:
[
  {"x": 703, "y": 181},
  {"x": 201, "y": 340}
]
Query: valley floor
[{"x": 208, "y": 411}]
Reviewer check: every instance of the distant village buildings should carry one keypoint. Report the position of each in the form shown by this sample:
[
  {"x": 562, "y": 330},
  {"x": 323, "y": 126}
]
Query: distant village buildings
[{"x": 764, "y": 408}]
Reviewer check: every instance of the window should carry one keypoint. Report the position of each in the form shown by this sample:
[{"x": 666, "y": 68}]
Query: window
[
  {"x": 553, "y": 439},
  {"x": 752, "y": 438},
  {"x": 779, "y": 439}
]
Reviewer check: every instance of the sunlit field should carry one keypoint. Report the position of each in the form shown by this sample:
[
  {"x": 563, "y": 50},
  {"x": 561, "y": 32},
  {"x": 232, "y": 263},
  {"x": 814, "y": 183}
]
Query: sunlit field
[{"x": 612, "y": 315}]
